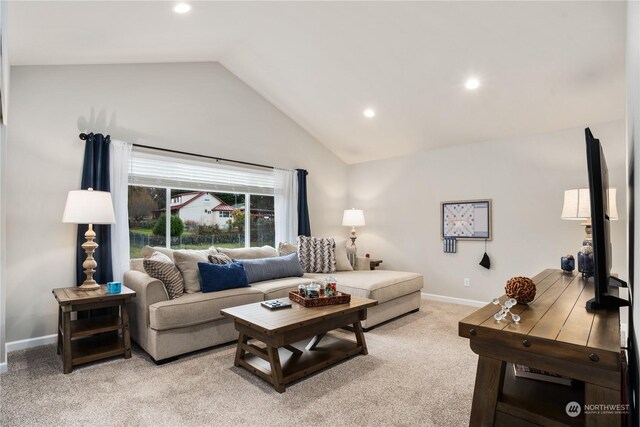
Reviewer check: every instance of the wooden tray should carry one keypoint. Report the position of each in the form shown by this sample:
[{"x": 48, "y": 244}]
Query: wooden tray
[{"x": 340, "y": 298}]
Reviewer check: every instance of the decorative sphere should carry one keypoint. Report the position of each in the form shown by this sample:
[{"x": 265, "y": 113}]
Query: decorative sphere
[
  {"x": 522, "y": 289},
  {"x": 586, "y": 249}
]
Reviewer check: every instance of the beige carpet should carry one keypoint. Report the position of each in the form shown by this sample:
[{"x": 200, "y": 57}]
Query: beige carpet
[{"x": 418, "y": 372}]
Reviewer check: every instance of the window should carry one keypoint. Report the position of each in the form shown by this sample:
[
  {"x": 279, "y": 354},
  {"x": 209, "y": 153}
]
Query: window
[
  {"x": 204, "y": 212},
  {"x": 146, "y": 204}
]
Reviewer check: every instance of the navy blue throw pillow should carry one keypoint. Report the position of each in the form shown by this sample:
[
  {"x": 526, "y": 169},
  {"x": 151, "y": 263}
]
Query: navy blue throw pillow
[
  {"x": 219, "y": 277},
  {"x": 272, "y": 268}
]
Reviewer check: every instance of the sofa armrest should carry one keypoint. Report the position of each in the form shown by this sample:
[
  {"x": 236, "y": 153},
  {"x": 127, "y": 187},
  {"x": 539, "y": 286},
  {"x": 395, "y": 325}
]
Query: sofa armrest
[{"x": 148, "y": 291}]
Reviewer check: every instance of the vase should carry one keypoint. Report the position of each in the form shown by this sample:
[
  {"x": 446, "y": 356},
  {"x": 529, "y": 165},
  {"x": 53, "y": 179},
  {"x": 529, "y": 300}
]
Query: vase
[
  {"x": 585, "y": 263},
  {"x": 567, "y": 264}
]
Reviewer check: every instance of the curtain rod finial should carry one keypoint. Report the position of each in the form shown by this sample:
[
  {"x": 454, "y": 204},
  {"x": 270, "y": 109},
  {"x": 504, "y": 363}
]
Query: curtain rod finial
[{"x": 83, "y": 136}]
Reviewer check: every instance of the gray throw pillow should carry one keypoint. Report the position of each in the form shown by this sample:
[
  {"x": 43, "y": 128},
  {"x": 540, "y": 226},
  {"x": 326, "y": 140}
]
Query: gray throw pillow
[
  {"x": 187, "y": 262},
  {"x": 317, "y": 255},
  {"x": 280, "y": 267},
  {"x": 159, "y": 266}
]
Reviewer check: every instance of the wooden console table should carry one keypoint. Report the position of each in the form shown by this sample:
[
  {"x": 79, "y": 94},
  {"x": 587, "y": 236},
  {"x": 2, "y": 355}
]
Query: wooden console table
[
  {"x": 556, "y": 333},
  {"x": 84, "y": 340}
]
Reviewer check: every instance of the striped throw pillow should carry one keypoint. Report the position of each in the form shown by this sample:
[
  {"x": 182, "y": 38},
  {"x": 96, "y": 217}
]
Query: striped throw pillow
[
  {"x": 317, "y": 255},
  {"x": 159, "y": 266}
]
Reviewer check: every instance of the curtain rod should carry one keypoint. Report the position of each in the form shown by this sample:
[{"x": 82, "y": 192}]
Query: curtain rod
[{"x": 83, "y": 136}]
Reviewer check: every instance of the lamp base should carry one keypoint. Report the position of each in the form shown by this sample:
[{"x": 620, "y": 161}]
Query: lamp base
[{"x": 89, "y": 285}]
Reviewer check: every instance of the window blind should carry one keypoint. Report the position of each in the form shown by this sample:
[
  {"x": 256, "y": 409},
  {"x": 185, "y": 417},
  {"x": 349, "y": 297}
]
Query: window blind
[{"x": 155, "y": 170}]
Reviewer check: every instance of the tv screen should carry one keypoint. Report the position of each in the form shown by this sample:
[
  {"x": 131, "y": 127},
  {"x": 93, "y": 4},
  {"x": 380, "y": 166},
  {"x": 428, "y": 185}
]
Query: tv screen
[{"x": 599, "y": 194}]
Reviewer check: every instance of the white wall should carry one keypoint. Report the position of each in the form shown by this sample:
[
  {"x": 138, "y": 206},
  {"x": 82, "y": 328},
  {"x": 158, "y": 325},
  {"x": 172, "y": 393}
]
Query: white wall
[
  {"x": 525, "y": 178},
  {"x": 200, "y": 108}
]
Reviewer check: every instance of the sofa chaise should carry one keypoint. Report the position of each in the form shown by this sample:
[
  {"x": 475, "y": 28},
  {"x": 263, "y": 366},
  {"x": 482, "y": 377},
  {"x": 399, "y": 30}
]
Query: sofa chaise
[{"x": 166, "y": 328}]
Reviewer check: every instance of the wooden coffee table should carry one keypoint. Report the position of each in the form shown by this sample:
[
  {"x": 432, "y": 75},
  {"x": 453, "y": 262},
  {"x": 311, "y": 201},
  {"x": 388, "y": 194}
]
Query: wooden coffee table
[{"x": 295, "y": 339}]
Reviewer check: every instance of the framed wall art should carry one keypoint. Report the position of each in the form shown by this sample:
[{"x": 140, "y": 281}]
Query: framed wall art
[{"x": 466, "y": 219}]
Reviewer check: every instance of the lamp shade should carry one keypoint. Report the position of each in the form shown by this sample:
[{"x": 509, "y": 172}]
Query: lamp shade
[
  {"x": 353, "y": 218},
  {"x": 89, "y": 207},
  {"x": 577, "y": 204}
]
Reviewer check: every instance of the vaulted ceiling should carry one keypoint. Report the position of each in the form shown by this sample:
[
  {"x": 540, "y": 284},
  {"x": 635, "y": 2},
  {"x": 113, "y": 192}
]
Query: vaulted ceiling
[{"x": 542, "y": 66}]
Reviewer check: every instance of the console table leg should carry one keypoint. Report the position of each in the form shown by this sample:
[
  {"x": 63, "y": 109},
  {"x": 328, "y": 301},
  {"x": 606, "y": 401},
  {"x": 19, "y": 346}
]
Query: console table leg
[
  {"x": 357, "y": 328},
  {"x": 489, "y": 381},
  {"x": 276, "y": 369},
  {"x": 242, "y": 340},
  {"x": 597, "y": 395}
]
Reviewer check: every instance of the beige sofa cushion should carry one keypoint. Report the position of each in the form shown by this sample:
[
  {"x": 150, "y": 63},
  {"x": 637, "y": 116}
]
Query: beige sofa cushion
[
  {"x": 187, "y": 262},
  {"x": 194, "y": 309},
  {"x": 279, "y": 288},
  {"x": 147, "y": 251},
  {"x": 342, "y": 260},
  {"x": 381, "y": 285},
  {"x": 265, "y": 251}
]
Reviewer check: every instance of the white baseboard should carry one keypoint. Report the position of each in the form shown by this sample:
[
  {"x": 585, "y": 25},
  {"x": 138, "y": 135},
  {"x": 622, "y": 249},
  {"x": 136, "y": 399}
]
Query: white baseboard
[
  {"x": 453, "y": 300},
  {"x": 3, "y": 368},
  {"x": 31, "y": 342}
]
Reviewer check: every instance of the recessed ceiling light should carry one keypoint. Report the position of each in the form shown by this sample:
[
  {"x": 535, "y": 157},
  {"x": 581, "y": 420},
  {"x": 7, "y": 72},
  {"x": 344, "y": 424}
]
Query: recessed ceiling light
[
  {"x": 472, "y": 84},
  {"x": 369, "y": 113},
  {"x": 182, "y": 8}
]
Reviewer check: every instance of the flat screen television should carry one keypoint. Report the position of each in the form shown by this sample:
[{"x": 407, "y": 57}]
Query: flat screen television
[{"x": 599, "y": 193}]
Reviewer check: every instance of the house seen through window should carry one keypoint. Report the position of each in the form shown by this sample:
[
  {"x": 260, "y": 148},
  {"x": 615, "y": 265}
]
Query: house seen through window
[
  {"x": 199, "y": 219},
  {"x": 205, "y": 215}
]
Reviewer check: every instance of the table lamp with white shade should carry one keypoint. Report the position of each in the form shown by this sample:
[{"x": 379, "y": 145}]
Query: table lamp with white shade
[
  {"x": 89, "y": 207},
  {"x": 353, "y": 218},
  {"x": 577, "y": 207}
]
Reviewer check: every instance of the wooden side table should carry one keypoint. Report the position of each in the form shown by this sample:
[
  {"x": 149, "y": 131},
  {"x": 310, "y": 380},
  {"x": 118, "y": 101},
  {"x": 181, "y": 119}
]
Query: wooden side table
[
  {"x": 556, "y": 333},
  {"x": 83, "y": 340}
]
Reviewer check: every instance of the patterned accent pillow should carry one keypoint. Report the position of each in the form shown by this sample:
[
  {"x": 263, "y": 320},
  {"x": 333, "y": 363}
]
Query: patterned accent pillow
[
  {"x": 219, "y": 259},
  {"x": 159, "y": 266},
  {"x": 285, "y": 248},
  {"x": 317, "y": 255}
]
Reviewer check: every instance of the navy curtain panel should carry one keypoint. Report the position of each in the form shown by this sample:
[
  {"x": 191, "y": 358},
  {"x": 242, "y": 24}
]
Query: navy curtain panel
[
  {"x": 304, "y": 227},
  {"x": 95, "y": 174}
]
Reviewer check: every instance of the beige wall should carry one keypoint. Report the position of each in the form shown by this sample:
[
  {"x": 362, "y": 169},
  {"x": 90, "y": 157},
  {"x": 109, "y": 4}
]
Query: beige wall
[
  {"x": 525, "y": 178},
  {"x": 200, "y": 108}
]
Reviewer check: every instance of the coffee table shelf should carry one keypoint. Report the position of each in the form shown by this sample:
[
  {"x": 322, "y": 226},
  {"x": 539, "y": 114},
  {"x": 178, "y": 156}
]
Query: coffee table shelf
[
  {"x": 286, "y": 345},
  {"x": 296, "y": 365}
]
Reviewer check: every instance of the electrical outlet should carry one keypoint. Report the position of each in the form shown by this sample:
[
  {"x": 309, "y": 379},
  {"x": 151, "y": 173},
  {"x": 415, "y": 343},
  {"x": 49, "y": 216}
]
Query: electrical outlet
[{"x": 467, "y": 282}]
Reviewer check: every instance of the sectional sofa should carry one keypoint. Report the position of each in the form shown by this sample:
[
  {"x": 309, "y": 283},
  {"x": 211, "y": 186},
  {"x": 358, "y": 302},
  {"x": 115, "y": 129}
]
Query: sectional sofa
[{"x": 166, "y": 328}]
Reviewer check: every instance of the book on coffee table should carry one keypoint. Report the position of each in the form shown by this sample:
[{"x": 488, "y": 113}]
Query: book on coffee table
[{"x": 276, "y": 304}]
